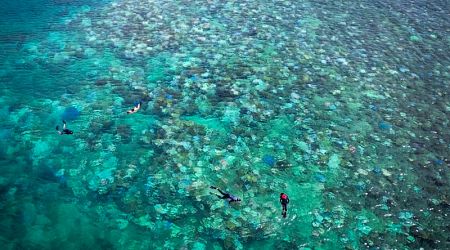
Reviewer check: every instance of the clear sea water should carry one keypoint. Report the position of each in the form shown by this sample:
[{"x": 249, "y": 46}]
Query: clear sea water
[{"x": 342, "y": 105}]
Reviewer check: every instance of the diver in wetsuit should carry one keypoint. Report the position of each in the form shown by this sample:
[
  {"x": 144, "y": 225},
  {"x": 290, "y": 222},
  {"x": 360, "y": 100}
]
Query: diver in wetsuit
[
  {"x": 284, "y": 200},
  {"x": 137, "y": 106},
  {"x": 64, "y": 131},
  {"x": 230, "y": 197}
]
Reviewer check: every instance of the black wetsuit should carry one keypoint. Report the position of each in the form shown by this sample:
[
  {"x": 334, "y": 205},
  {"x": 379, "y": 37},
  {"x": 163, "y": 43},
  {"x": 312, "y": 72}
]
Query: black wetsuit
[
  {"x": 284, "y": 202},
  {"x": 64, "y": 131},
  {"x": 230, "y": 197}
]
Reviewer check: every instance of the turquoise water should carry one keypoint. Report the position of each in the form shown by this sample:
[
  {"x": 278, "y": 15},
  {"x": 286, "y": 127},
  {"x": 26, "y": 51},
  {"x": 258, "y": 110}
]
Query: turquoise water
[{"x": 343, "y": 106}]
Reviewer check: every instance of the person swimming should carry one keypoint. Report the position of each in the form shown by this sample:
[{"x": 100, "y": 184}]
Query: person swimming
[
  {"x": 230, "y": 197},
  {"x": 284, "y": 200},
  {"x": 135, "y": 109},
  {"x": 64, "y": 131}
]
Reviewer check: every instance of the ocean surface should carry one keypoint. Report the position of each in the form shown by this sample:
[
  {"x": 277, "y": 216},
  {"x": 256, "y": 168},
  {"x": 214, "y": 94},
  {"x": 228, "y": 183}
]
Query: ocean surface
[{"x": 342, "y": 105}]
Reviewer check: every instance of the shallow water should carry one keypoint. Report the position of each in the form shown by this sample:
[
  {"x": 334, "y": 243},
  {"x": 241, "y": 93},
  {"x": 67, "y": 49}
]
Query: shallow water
[{"x": 343, "y": 106}]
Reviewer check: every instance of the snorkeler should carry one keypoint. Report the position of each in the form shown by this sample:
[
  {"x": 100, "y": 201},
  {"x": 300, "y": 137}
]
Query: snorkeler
[
  {"x": 135, "y": 109},
  {"x": 230, "y": 197},
  {"x": 284, "y": 199},
  {"x": 64, "y": 131}
]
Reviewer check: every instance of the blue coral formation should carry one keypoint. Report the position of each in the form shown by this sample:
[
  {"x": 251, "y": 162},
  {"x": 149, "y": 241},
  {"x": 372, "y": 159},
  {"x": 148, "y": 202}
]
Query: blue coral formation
[
  {"x": 70, "y": 114},
  {"x": 269, "y": 160}
]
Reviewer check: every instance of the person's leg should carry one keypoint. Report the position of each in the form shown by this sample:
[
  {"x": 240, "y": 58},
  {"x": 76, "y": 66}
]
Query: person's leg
[
  {"x": 221, "y": 196},
  {"x": 223, "y": 193}
]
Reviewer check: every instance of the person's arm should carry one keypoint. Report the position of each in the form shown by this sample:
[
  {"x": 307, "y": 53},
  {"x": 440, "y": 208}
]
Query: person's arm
[
  {"x": 287, "y": 200},
  {"x": 137, "y": 106},
  {"x": 218, "y": 195}
]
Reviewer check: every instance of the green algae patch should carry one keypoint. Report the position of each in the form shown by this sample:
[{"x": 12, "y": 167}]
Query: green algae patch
[
  {"x": 63, "y": 219},
  {"x": 362, "y": 128},
  {"x": 415, "y": 38},
  {"x": 373, "y": 94},
  {"x": 354, "y": 106},
  {"x": 304, "y": 198},
  {"x": 311, "y": 23},
  {"x": 159, "y": 67},
  {"x": 366, "y": 223},
  {"x": 214, "y": 124},
  {"x": 281, "y": 126},
  {"x": 333, "y": 162}
]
